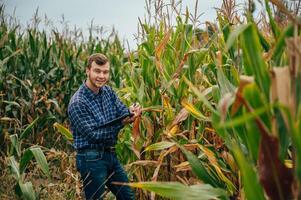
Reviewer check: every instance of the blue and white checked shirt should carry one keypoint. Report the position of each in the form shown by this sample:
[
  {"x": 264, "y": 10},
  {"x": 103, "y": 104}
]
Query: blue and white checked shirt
[{"x": 88, "y": 112}]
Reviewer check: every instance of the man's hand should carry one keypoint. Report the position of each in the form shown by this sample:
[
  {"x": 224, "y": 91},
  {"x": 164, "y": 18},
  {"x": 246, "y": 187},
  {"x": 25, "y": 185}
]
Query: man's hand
[{"x": 135, "y": 111}]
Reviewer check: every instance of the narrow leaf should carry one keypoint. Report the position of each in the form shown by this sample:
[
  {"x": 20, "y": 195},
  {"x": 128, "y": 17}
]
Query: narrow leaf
[
  {"x": 28, "y": 129},
  {"x": 231, "y": 123},
  {"x": 201, "y": 97},
  {"x": 27, "y": 191},
  {"x": 280, "y": 44},
  {"x": 14, "y": 167},
  {"x": 159, "y": 146},
  {"x": 26, "y": 157},
  {"x": 15, "y": 143},
  {"x": 253, "y": 60},
  {"x": 41, "y": 160},
  {"x": 252, "y": 188},
  {"x": 194, "y": 111},
  {"x": 199, "y": 169},
  {"x": 235, "y": 34},
  {"x": 178, "y": 191}
]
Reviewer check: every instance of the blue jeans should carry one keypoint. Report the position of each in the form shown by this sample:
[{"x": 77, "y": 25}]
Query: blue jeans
[{"x": 99, "y": 168}]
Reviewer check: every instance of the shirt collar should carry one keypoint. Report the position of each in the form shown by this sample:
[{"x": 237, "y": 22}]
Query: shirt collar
[{"x": 89, "y": 92}]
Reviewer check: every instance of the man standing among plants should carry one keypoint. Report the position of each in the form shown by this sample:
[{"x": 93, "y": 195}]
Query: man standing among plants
[{"x": 96, "y": 116}]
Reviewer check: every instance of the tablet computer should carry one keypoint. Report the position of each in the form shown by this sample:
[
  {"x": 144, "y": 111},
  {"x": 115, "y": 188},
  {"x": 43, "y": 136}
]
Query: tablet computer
[{"x": 118, "y": 119}]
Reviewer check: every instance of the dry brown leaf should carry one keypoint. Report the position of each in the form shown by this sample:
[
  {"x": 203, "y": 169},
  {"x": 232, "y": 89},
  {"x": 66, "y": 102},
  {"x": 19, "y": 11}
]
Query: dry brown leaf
[
  {"x": 229, "y": 160},
  {"x": 182, "y": 180},
  {"x": 159, "y": 49},
  {"x": 244, "y": 80},
  {"x": 182, "y": 116},
  {"x": 281, "y": 85},
  {"x": 172, "y": 131},
  {"x": 144, "y": 163},
  {"x": 149, "y": 129},
  {"x": 281, "y": 88},
  {"x": 136, "y": 129},
  {"x": 224, "y": 104},
  {"x": 160, "y": 160},
  {"x": 184, "y": 166}
]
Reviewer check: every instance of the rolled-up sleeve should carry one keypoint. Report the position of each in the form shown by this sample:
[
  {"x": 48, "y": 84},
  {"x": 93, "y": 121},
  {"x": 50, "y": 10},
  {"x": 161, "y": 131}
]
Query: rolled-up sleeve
[{"x": 122, "y": 110}]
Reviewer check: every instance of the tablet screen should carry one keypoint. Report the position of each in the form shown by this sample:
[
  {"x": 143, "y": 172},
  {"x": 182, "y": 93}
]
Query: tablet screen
[{"x": 118, "y": 119}]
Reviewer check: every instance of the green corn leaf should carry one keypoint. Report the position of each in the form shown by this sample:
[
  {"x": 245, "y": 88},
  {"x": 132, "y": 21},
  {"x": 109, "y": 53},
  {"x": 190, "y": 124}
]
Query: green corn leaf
[
  {"x": 296, "y": 138},
  {"x": 251, "y": 185},
  {"x": 253, "y": 61},
  {"x": 274, "y": 27},
  {"x": 201, "y": 97},
  {"x": 226, "y": 33},
  {"x": 264, "y": 43},
  {"x": 280, "y": 44},
  {"x": 224, "y": 84},
  {"x": 256, "y": 100},
  {"x": 178, "y": 191},
  {"x": 32, "y": 43},
  {"x": 5, "y": 60},
  {"x": 159, "y": 146},
  {"x": 26, "y": 157},
  {"x": 199, "y": 169},
  {"x": 14, "y": 167},
  {"x": 41, "y": 160},
  {"x": 284, "y": 137},
  {"x": 232, "y": 123},
  {"x": 15, "y": 142},
  {"x": 251, "y": 136},
  {"x": 28, "y": 129},
  {"x": 27, "y": 190},
  {"x": 234, "y": 35}
]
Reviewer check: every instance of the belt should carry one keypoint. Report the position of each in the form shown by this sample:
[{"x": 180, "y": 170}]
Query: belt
[{"x": 108, "y": 149}]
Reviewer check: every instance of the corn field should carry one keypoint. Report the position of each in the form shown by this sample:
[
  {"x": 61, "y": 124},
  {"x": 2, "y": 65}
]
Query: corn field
[{"x": 221, "y": 104}]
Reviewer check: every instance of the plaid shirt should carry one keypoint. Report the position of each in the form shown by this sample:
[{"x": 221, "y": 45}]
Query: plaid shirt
[{"x": 88, "y": 112}]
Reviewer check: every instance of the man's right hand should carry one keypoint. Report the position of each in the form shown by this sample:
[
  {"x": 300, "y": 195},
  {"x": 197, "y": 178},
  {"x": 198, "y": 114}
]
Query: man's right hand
[{"x": 135, "y": 111}]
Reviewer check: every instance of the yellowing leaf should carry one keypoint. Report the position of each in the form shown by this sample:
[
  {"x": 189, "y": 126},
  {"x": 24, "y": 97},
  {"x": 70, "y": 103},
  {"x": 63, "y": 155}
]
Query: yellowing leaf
[
  {"x": 167, "y": 108},
  {"x": 64, "y": 131},
  {"x": 159, "y": 146},
  {"x": 172, "y": 132},
  {"x": 194, "y": 111}
]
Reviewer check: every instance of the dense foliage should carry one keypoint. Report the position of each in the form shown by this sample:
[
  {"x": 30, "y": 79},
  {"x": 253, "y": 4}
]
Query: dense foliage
[{"x": 222, "y": 106}]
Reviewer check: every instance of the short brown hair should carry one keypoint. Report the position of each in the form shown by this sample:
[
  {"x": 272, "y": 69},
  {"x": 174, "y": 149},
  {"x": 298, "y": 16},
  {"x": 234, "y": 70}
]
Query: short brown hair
[{"x": 98, "y": 58}]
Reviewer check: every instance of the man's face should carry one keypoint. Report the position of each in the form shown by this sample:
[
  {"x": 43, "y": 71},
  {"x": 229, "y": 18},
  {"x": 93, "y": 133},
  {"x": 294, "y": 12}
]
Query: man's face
[{"x": 98, "y": 75}]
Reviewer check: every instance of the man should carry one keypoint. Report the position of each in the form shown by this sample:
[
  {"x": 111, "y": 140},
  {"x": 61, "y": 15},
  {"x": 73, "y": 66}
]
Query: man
[{"x": 93, "y": 111}]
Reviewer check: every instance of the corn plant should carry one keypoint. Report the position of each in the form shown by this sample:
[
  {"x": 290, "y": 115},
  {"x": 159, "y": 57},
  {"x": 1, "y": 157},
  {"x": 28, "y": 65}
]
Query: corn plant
[
  {"x": 253, "y": 113},
  {"x": 20, "y": 159},
  {"x": 258, "y": 115},
  {"x": 39, "y": 72},
  {"x": 216, "y": 100},
  {"x": 156, "y": 82}
]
